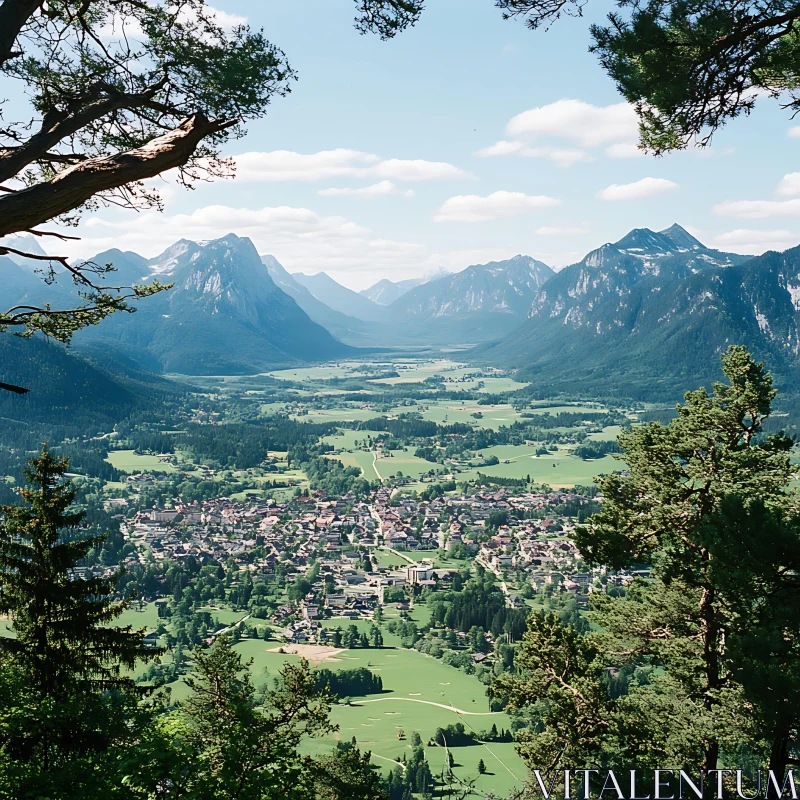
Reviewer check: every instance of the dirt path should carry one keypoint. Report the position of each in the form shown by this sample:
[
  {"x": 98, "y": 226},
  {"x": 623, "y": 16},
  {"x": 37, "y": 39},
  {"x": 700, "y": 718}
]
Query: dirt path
[
  {"x": 500, "y": 760},
  {"x": 429, "y": 703},
  {"x": 400, "y": 555},
  {"x": 233, "y": 625},
  {"x": 391, "y": 761}
]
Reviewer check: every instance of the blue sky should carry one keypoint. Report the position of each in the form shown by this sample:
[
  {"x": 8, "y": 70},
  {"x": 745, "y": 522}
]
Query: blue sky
[{"x": 380, "y": 163}]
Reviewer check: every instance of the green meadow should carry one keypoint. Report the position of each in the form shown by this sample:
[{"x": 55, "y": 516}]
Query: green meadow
[{"x": 129, "y": 461}]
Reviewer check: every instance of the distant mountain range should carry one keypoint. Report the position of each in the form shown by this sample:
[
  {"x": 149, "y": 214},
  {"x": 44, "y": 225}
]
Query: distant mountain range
[
  {"x": 642, "y": 317},
  {"x": 385, "y": 292},
  {"x": 648, "y": 315},
  {"x": 340, "y": 298},
  {"x": 481, "y": 303},
  {"x": 344, "y": 327}
]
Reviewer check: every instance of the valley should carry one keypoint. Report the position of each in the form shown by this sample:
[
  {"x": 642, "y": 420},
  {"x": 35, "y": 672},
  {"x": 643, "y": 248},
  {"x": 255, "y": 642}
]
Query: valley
[
  {"x": 384, "y": 483},
  {"x": 343, "y": 506}
]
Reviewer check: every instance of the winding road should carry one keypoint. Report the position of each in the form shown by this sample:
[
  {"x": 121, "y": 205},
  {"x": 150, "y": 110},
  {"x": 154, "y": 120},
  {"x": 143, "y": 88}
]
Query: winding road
[{"x": 429, "y": 703}]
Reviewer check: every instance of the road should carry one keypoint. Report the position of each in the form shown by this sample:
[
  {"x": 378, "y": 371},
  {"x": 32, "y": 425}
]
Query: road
[{"x": 428, "y": 703}]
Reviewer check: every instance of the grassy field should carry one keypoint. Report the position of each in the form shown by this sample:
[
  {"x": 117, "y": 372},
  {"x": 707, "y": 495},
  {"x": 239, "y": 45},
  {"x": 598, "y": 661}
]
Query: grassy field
[
  {"x": 491, "y": 416},
  {"x": 388, "y": 559},
  {"x": 406, "y": 462},
  {"x": 129, "y": 461},
  {"x": 346, "y": 440},
  {"x": 421, "y": 694},
  {"x": 571, "y": 409},
  {"x": 336, "y": 415},
  {"x": 558, "y": 469},
  {"x": 608, "y": 434}
]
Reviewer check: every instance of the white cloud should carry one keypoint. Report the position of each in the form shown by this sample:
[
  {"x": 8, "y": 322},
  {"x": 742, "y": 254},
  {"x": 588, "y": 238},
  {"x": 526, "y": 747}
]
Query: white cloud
[
  {"x": 789, "y": 185},
  {"x": 301, "y": 239},
  {"x": 474, "y": 208},
  {"x": 501, "y": 148},
  {"x": 298, "y": 237},
  {"x": 563, "y": 230},
  {"x": 758, "y": 209},
  {"x": 374, "y": 190},
  {"x": 418, "y": 170},
  {"x": 794, "y": 132},
  {"x": 646, "y": 187},
  {"x": 286, "y": 165},
  {"x": 582, "y": 122},
  {"x": 559, "y": 155},
  {"x": 754, "y": 242},
  {"x": 563, "y": 157},
  {"x": 225, "y": 20},
  {"x": 623, "y": 150}
]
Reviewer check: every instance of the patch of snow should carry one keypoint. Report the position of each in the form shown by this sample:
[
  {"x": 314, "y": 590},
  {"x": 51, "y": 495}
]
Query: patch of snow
[{"x": 794, "y": 293}]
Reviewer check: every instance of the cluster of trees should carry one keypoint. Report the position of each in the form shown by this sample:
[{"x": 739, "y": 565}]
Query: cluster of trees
[
  {"x": 699, "y": 663},
  {"x": 351, "y": 639},
  {"x": 413, "y": 777},
  {"x": 348, "y": 682},
  {"x": 596, "y": 449},
  {"x": 479, "y": 604},
  {"x": 242, "y": 445}
]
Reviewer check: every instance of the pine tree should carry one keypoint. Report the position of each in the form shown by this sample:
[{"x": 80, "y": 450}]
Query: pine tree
[
  {"x": 63, "y": 640},
  {"x": 230, "y": 742},
  {"x": 481, "y": 767},
  {"x": 66, "y": 706},
  {"x": 704, "y": 504}
]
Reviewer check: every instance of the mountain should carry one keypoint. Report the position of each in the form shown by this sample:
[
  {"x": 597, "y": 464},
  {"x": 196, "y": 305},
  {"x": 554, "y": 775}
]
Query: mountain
[
  {"x": 340, "y": 298},
  {"x": 478, "y": 304},
  {"x": 76, "y": 393},
  {"x": 647, "y": 316},
  {"x": 224, "y": 315},
  {"x": 27, "y": 244},
  {"x": 502, "y": 287},
  {"x": 385, "y": 292},
  {"x": 345, "y": 328}
]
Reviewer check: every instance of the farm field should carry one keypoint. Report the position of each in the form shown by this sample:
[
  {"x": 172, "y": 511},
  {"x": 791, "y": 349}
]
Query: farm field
[
  {"x": 448, "y": 412},
  {"x": 558, "y": 470},
  {"x": 336, "y": 415},
  {"x": 421, "y": 694},
  {"x": 608, "y": 434},
  {"x": 570, "y": 409},
  {"x": 422, "y": 370},
  {"x": 129, "y": 461},
  {"x": 406, "y": 462},
  {"x": 346, "y": 439}
]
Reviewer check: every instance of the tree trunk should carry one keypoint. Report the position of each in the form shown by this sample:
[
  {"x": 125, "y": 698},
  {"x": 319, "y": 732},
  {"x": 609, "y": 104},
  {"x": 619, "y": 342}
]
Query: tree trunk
[
  {"x": 712, "y": 670},
  {"x": 71, "y": 188}
]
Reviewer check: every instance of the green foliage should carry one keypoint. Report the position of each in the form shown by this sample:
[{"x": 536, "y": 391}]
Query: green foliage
[
  {"x": 590, "y": 449},
  {"x": 690, "y": 67},
  {"x": 698, "y": 662},
  {"x": 75, "y": 726},
  {"x": 66, "y": 701},
  {"x": 60, "y": 619},
  {"x": 348, "y": 682},
  {"x": 687, "y": 66}
]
